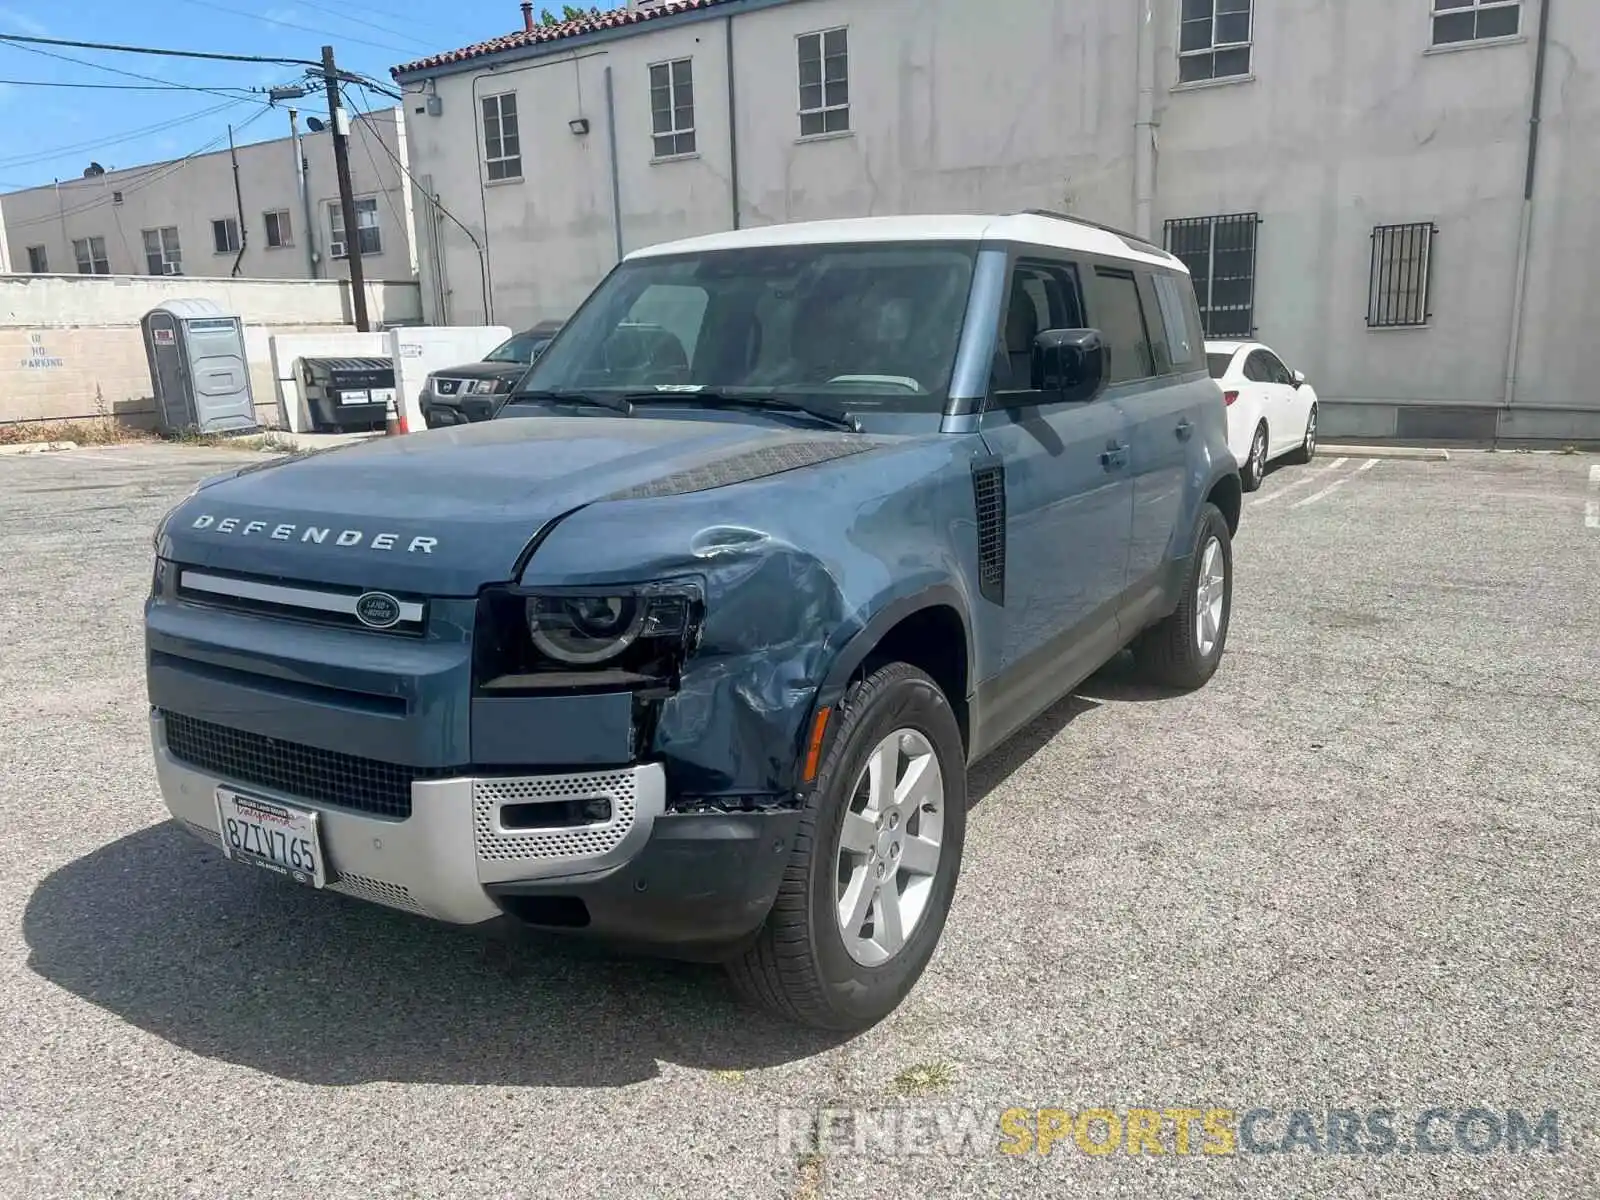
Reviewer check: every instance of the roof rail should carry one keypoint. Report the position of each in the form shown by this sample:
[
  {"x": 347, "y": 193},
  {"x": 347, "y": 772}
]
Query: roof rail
[{"x": 1132, "y": 239}]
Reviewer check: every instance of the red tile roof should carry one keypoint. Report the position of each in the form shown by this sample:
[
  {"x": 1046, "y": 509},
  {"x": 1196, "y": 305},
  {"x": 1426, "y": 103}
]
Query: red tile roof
[{"x": 617, "y": 19}]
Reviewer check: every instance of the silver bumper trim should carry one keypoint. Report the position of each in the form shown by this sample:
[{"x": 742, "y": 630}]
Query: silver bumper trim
[{"x": 435, "y": 863}]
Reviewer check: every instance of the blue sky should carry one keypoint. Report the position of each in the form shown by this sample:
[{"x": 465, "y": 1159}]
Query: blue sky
[{"x": 48, "y": 133}]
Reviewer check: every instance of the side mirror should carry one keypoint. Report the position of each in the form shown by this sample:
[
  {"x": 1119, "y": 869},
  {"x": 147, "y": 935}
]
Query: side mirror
[
  {"x": 1073, "y": 362},
  {"x": 1299, "y": 378}
]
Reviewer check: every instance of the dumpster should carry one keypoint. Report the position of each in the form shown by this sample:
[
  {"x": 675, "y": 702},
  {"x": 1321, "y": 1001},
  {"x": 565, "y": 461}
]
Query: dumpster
[
  {"x": 198, "y": 369},
  {"x": 347, "y": 395}
]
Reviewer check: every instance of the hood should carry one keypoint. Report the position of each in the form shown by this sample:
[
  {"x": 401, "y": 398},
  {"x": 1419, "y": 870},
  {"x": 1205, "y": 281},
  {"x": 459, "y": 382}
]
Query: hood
[
  {"x": 484, "y": 370},
  {"x": 443, "y": 512}
]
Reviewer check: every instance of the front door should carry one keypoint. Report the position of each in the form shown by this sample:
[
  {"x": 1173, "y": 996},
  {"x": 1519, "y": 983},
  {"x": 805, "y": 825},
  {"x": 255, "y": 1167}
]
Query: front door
[{"x": 1068, "y": 506}]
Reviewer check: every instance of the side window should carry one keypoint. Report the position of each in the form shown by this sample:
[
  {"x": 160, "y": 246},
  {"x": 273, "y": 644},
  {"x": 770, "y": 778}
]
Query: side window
[
  {"x": 1256, "y": 369},
  {"x": 1276, "y": 371},
  {"x": 1181, "y": 320},
  {"x": 1115, "y": 310},
  {"x": 1155, "y": 324},
  {"x": 1043, "y": 296}
]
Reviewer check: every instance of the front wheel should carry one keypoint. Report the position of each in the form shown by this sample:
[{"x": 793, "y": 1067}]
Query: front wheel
[
  {"x": 1307, "y": 449},
  {"x": 874, "y": 867},
  {"x": 1183, "y": 650}
]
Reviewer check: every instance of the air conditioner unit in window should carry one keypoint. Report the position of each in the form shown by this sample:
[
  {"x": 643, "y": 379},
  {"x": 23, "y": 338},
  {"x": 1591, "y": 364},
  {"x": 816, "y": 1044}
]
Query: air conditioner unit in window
[{"x": 336, "y": 250}]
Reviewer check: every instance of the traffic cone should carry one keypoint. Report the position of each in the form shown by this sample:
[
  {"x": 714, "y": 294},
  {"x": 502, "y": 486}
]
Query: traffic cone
[{"x": 393, "y": 420}]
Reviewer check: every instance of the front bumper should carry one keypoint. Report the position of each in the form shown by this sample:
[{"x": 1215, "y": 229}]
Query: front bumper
[{"x": 644, "y": 877}]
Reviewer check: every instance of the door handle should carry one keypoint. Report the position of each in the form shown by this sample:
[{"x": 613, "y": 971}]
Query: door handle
[
  {"x": 1115, "y": 456},
  {"x": 1184, "y": 429}
]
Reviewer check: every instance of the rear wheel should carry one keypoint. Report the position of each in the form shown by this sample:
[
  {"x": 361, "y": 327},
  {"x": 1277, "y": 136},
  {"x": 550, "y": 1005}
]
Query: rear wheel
[
  {"x": 874, "y": 868},
  {"x": 1307, "y": 449},
  {"x": 1183, "y": 650},
  {"x": 1255, "y": 466}
]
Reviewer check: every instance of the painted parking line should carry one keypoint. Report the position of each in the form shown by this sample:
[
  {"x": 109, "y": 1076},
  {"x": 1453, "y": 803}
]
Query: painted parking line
[
  {"x": 1336, "y": 484},
  {"x": 1313, "y": 477},
  {"x": 1591, "y": 510}
]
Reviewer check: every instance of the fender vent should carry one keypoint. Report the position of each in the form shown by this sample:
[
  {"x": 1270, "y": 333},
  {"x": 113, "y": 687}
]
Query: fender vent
[{"x": 989, "y": 498}]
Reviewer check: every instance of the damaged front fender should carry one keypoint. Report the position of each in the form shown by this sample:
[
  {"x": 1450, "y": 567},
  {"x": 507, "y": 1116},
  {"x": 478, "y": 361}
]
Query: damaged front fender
[{"x": 795, "y": 570}]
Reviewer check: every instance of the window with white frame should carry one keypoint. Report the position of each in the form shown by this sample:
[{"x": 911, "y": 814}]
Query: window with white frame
[
  {"x": 1456, "y": 21},
  {"x": 225, "y": 235},
  {"x": 279, "y": 231},
  {"x": 38, "y": 260},
  {"x": 502, "y": 146},
  {"x": 91, "y": 255},
  {"x": 162, "y": 253},
  {"x": 672, "y": 107},
  {"x": 1214, "y": 41},
  {"x": 824, "y": 82},
  {"x": 370, "y": 238}
]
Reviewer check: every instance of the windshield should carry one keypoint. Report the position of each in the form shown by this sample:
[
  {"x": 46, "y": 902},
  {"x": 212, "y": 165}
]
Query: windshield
[
  {"x": 520, "y": 349},
  {"x": 874, "y": 325},
  {"x": 1218, "y": 364}
]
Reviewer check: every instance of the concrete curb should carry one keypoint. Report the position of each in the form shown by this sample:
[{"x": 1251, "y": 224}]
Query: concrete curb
[
  {"x": 1418, "y": 453},
  {"x": 37, "y": 447}
]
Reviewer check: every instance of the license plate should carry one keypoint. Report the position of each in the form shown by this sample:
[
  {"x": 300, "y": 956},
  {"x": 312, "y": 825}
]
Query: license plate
[
  {"x": 267, "y": 834},
  {"x": 355, "y": 397}
]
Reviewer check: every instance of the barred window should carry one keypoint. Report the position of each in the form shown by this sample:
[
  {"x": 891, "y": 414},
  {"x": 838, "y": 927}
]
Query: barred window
[
  {"x": 1402, "y": 269},
  {"x": 1214, "y": 40},
  {"x": 1456, "y": 21},
  {"x": 1220, "y": 253}
]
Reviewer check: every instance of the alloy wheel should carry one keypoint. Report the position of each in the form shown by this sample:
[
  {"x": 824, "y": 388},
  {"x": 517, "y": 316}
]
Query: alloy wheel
[{"x": 1210, "y": 591}]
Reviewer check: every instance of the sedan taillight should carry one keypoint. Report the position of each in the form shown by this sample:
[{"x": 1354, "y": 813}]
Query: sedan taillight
[{"x": 1229, "y": 397}]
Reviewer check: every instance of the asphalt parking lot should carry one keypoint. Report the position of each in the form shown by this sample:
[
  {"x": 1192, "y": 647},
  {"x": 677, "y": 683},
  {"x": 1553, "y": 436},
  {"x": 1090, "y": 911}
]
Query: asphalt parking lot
[{"x": 1358, "y": 871}]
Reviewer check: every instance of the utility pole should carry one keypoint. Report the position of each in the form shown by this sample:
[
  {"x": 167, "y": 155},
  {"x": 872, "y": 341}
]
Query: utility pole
[
  {"x": 339, "y": 126},
  {"x": 304, "y": 191}
]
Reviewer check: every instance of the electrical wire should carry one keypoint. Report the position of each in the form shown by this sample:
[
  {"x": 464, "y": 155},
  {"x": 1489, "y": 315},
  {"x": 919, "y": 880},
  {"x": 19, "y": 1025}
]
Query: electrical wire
[
  {"x": 120, "y": 87},
  {"x": 205, "y": 54},
  {"x": 148, "y": 177},
  {"x": 83, "y": 62},
  {"x": 117, "y": 139},
  {"x": 434, "y": 201},
  {"x": 374, "y": 135},
  {"x": 240, "y": 12}
]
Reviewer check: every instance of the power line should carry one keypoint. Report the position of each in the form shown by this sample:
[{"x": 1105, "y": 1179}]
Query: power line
[
  {"x": 120, "y": 87},
  {"x": 147, "y": 177},
  {"x": 113, "y": 70},
  {"x": 248, "y": 58},
  {"x": 116, "y": 139},
  {"x": 240, "y": 12},
  {"x": 434, "y": 201}
]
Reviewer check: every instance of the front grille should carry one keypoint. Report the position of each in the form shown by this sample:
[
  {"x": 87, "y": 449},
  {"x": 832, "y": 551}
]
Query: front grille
[
  {"x": 343, "y": 780},
  {"x": 556, "y": 840}
]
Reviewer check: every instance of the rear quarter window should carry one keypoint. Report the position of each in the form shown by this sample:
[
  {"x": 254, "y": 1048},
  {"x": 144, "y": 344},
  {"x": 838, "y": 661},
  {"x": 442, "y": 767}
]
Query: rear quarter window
[
  {"x": 1180, "y": 316},
  {"x": 1218, "y": 364}
]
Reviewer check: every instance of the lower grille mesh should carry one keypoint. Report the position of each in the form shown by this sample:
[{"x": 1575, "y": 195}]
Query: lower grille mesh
[{"x": 343, "y": 780}]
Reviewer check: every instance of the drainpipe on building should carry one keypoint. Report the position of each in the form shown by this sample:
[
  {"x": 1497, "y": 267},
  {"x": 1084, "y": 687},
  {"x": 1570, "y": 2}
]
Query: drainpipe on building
[
  {"x": 1525, "y": 231},
  {"x": 616, "y": 169},
  {"x": 1144, "y": 147},
  {"x": 310, "y": 234},
  {"x": 733, "y": 129}
]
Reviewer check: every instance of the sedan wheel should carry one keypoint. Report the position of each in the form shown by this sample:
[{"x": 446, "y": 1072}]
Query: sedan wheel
[
  {"x": 1255, "y": 467},
  {"x": 1307, "y": 449}
]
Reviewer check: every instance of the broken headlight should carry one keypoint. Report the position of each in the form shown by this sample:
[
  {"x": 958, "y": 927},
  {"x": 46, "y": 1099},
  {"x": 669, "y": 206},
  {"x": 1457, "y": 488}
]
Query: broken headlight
[{"x": 545, "y": 637}]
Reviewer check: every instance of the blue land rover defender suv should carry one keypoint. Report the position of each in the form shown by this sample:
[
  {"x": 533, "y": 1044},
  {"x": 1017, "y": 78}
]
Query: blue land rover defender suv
[{"x": 691, "y": 647}]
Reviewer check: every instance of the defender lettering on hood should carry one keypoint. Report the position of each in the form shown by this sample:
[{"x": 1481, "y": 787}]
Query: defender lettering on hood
[{"x": 317, "y": 534}]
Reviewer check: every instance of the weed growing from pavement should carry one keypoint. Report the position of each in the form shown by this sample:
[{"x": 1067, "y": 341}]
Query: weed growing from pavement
[
  {"x": 92, "y": 431},
  {"x": 923, "y": 1079}
]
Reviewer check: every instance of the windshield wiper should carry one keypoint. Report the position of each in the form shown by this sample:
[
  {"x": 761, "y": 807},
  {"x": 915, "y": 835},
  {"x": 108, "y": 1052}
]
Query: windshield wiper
[
  {"x": 712, "y": 398},
  {"x": 619, "y": 404}
]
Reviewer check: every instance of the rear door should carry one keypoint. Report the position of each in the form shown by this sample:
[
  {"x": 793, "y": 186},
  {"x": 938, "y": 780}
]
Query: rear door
[{"x": 1068, "y": 504}]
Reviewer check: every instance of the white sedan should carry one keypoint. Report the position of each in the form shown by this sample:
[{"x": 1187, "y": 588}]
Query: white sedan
[{"x": 1272, "y": 411}]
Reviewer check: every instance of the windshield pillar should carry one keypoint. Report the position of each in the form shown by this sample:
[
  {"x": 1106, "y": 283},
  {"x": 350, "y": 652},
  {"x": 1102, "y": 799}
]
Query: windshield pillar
[{"x": 969, "y": 380}]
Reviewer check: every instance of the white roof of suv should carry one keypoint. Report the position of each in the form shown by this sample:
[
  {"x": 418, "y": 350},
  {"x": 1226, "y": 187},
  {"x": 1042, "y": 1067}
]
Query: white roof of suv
[{"x": 1038, "y": 228}]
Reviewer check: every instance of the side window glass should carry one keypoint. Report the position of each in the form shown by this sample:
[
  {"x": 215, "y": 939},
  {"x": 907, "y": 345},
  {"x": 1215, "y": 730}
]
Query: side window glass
[
  {"x": 1255, "y": 368},
  {"x": 1116, "y": 312},
  {"x": 1156, "y": 324},
  {"x": 1184, "y": 343},
  {"x": 1042, "y": 296},
  {"x": 1280, "y": 373}
]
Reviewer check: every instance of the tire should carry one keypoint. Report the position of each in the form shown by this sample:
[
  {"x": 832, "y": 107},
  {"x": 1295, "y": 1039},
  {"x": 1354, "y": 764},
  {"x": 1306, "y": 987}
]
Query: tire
[
  {"x": 1307, "y": 449},
  {"x": 1171, "y": 653},
  {"x": 800, "y": 966},
  {"x": 1255, "y": 466}
]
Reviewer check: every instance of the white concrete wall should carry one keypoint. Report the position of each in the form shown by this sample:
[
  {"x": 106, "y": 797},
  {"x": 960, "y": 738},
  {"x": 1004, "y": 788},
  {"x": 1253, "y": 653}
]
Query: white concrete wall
[
  {"x": 1348, "y": 121},
  {"x": 190, "y": 195},
  {"x": 71, "y": 347}
]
